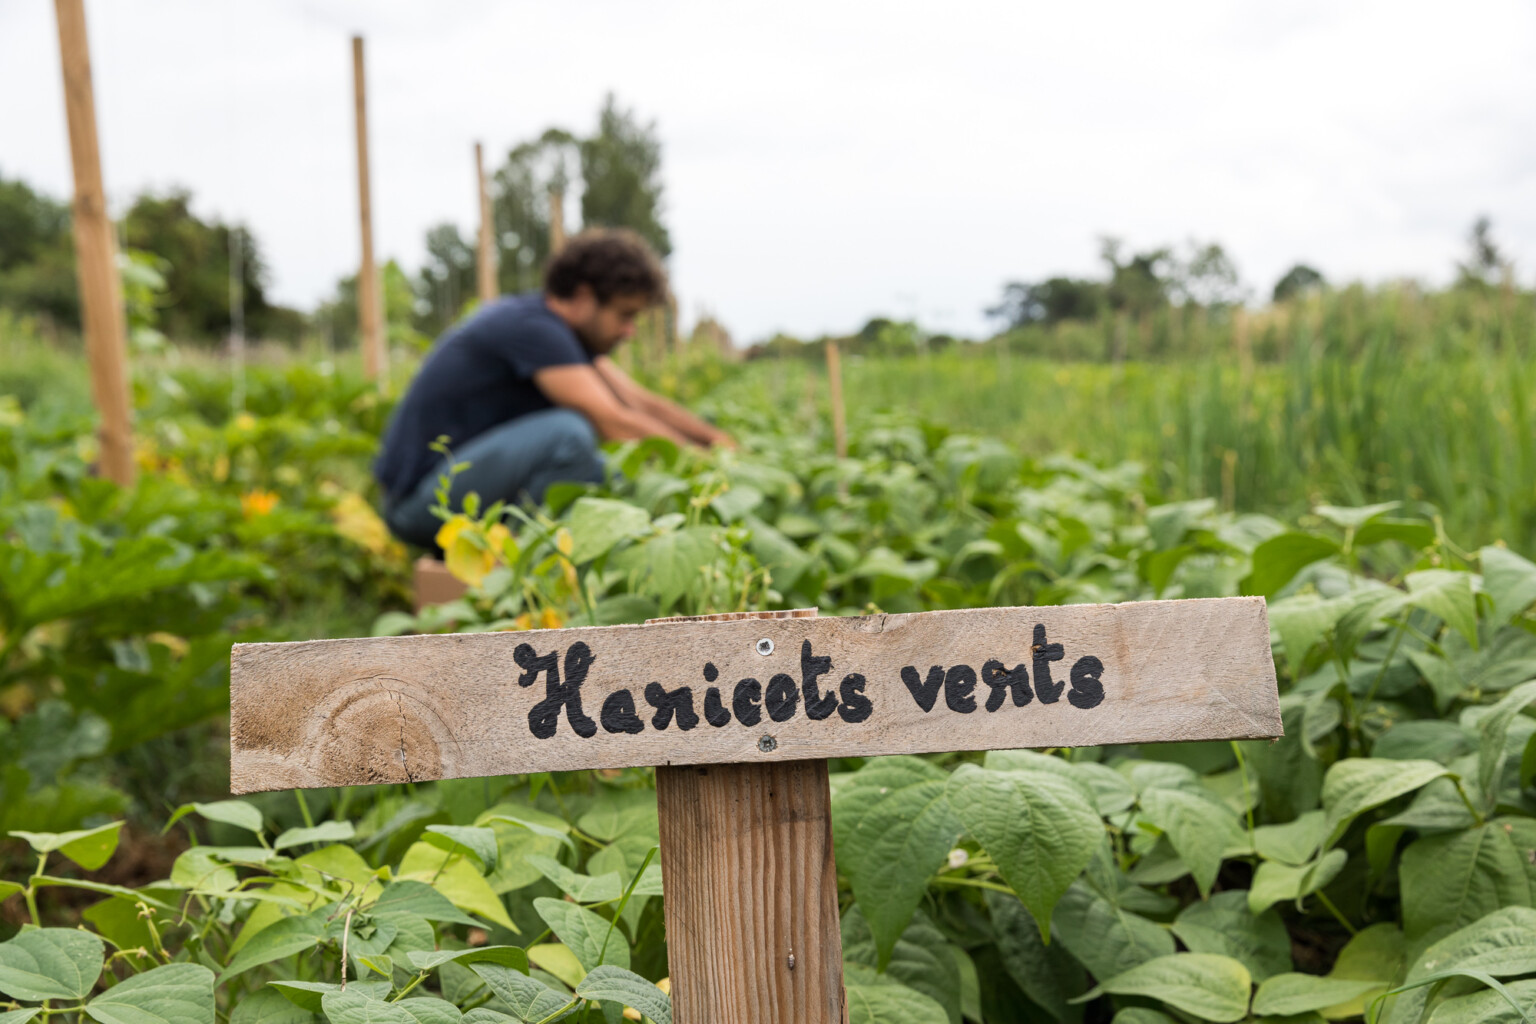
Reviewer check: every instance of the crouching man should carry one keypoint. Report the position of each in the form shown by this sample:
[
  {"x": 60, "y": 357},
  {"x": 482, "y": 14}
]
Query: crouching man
[{"x": 525, "y": 388}]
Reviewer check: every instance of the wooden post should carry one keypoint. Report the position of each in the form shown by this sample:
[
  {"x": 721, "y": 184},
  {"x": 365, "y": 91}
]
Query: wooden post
[
  {"x": 556, "y": 220},
  {"x": 101, "y": 292},
  {"x": 752, "y": 925},
  {"x": 369, "y": 307},
  {"x": 485, "y": 266},
  {"x": 839, "y": 420}
]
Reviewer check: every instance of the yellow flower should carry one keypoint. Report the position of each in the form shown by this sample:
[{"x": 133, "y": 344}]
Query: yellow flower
[
  {"x": 356, "y": 520},
  {"x": 245, "y": 421},
  {"x": 550, "y": 618},
  {"x": 564, "y": 541},
  {"x": 523, "y": 621},
  {"x": 257, "y": 503},
  {"x": 500, "y": 540},
  {"x": 466, "y": 559}
]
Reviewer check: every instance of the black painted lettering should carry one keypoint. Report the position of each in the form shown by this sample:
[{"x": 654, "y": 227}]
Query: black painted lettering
[
  {"x": 1046, "y": 689},
  {"x": 618, "y": 714},
  {"x": 710, "y": 672},
  {"x": 747, "y": 702},
  {"x": 959, "y": 684},
  {"x": 996, "y": 675},
  {"x": 817, "y": 706},
  {"x": 855, "y": 707},
  {"x": 544, "y": 717},
  {"x": 1087, "y": 683},
  {"x": 679, "y": 702},
  {"x": 782, "y": 697},
  {"x": 714, "y": 712},
  {"x": 925, "y": 692}
]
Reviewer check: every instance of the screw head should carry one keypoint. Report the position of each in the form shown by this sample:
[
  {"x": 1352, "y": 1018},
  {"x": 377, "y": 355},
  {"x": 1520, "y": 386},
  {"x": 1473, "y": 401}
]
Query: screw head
[
  {"x": 765, "y": 647},
  {"x": 767, "y": 744}
]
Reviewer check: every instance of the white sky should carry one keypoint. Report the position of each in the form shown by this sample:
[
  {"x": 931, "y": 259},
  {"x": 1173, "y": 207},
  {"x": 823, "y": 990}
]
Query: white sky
[{"x": 826, "y": 160}]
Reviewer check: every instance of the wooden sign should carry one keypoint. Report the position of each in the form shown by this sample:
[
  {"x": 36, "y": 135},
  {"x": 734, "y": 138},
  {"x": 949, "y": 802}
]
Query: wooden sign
[{"x": 399, "y": 709}]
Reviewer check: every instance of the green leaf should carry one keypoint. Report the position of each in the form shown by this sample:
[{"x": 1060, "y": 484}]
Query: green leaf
[
  {"x": 873, "y": 999},
  {"x": 621, "y": 986},
  {"x": 1036, "y": 826},
  {"x": 307, "y": 994},
  {"x": 1201, "y": 830},
  {"x": 173, "y": 994},
  {"x": 326, "y": 832},
  {"x": 51, "y": 963},
  {"x": 670, "y": 564},
  {"x": 1456, "y": 878},
  {"x": 579, "y": 887},
  {"x": 1493, "y": 730},
  {"x": 289, "y": 936},
  {"x": 455, "y": 877},
  {"x": 1208, "y": 986},
  {"x": 1501, "y": 943},
  {"x": 923, "y": 959},
  {"x": 89, "y": 848},
  {"x": 507, "y": 956},
  {"x": 1106, "y": 938},
  {"x": 351, "y": 1007},
  {"x": 1489, "y": 1007},
  {"x": 584, "y": 933},
  {"x": 1274, "y": 882},
  {"x": 267, "y": 1006},
  {"x": 478, "y": 841},
  {"x": 229, "y": 812},
  {"x": 1355, "y": 516},
  {"x": 1294, "y": 842},
  {"x": 1302, "y": 621},
  {"x": 1277, "y": 561},
  {"x": 597, "y": 524},
  {"x": 420, "y": 899},
  {"x": 1375, "y": 954},
  {"x": 1225, "y": 924},
  {"x": 1286, "y": 994},
  {"x": 1446, "y": 593},
  {"x": 22, "y": 1015},
  {"x": 1510, "y": 581},
  {"x": 1357, "y": 784},
  {"x": 1142, "y": 1015},
  {"x": 1047, "y": 974},
  {"x": 528, "y": 998},
  {"x": 430, "y": 1010},
  {"x": 892, "y": 828}
]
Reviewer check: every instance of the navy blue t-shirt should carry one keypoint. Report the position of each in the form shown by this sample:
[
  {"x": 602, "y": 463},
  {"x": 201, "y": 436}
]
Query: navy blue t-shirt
[{"x": 478, "y": 376}]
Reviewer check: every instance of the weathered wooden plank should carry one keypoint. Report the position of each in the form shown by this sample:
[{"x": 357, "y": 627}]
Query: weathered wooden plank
[{"x": 355, "y": 712}]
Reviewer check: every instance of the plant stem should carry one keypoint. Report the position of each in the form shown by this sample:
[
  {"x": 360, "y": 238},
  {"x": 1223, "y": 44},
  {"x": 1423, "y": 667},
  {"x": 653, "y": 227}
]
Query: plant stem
[
  {"x": 1325, "y": 901},
  {"x": 309, "y": 821}
]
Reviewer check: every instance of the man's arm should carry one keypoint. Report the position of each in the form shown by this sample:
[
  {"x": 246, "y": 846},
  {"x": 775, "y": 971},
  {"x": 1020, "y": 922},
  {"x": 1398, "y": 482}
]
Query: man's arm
[
  {"x": 580, "y": 387},
  {"x": 648, "y": 402}
]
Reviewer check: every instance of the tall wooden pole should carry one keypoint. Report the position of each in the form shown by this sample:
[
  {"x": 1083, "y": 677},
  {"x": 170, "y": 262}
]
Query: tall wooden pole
[
  {"x": 370, "y": 320},
  {"x": 751, "y": 906},
  {"x": 485, "y": 266},
  {"x": 556, "y": 220},
  {"x": 101, "y": 293},
  {"x": 839, "y": 419}
]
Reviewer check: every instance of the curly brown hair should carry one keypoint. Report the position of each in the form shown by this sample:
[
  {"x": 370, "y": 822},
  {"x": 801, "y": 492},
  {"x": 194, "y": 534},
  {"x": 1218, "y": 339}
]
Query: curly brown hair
[{"x": 610, "y": 261}]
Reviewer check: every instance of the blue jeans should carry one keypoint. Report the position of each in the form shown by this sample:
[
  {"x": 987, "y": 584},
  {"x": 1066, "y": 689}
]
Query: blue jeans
[{"x": 514, "y": 462}]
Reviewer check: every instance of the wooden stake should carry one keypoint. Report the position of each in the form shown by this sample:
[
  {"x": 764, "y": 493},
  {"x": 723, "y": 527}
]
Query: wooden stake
[
  {"x": 369, "y": 308},
  {"x": 101, "y": 292},
  {"x": 486, "y": 265},
  {"x": 839, "y": 420},
  {"x": 556, "y": 220},
  {"x": 751, "y": 906}
]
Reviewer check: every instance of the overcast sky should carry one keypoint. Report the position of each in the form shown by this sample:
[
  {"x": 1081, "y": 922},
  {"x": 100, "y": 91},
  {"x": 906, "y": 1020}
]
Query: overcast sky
[{"x": 827, "y": 161}]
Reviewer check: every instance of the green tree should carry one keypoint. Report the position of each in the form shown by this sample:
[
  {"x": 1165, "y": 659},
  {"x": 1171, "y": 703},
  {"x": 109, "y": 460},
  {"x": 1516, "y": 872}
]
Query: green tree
[
  {"x": 1298, "y": 281},
  {"x": 1485, "y": 263},
  {"x": 37, "y": 254},
  {"x": 621, "y": 176},
  {"x": 446, "y": 282},
  {"x": 1139, "y": 284},
  {"x": 1048, "y": 302},
  {"x": 521, "y": 188}
]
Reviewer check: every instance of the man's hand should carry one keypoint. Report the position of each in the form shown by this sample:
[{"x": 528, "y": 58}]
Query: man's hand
[{"x": 673, "y": 415}]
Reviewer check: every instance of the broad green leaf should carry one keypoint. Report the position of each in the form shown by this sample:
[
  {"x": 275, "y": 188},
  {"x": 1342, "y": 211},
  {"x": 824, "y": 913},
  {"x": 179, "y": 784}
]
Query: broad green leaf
[
  {"x": 1501, "y": 943},
  {"x": 923, "y": 959},
  {"x": 420, "y": 899},
  {"x": 22, "y": 1015},
  {"x": 289, "y": 936},
  {"x": 557, "y": 960},
  {"x": 621, "y": 986},
  {"x": 1286, "y": 994},
  {"x": 1224, "y": 924},
  {"x": 8, "y": 889},
  {"x": 579, "y": 887},
  {"x": 229, "y": 812},
  {"x": 597, "y": 524},
  {"x": 478, "y": 841},
  {"x": 1106, "y": 938},
  {"x": 351, "y": 1007},
  {"x": 173, "y": 994},
  {"x": 1375, "y": 954},
  {"x": 1277, "y": 561},
  {"x": 1142, "y": 1015},
  {"x": 307, "y": 994},
  {"x": 378, "y": 963},
  {"x": 1294, "y": 842},
  {"x": 267, "y": 1006},
  {"x": 454, "y": 876},
  {"x": 1510, "y": 581},
  {"x": 873, "y": 999},
  {"x": 1489, "y": 1007},
  {"x": 1200, "y": 830},
  {"x": 1454, "y": 879},
  {"x": 1036, "y": 826},
  {"x": 1047, "y": 974},
  {"x": 892, "y": 828},
  {"x": 326, "y": 832},
  {"x": 50, "y": 963},
  {"x": 1355, "y": 516},
  {"x": 669, "y": 564},
  {"x": 1302, "y": 621},
  {"x": 1274, "y": 882},
  {"x": 1208, "y": 986},
  {"x": 430, "y": 1010},
  {"x": 507, "y": 956},
  {"x": 89, "y": 848},
  {"x": 1446, "y": 594},
  {"x": 529, "y": 998},
  {"x": 1493, "y": 730},
  {"x": 584, "y": 932},
  {"x": 1357, "y": 784}
]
